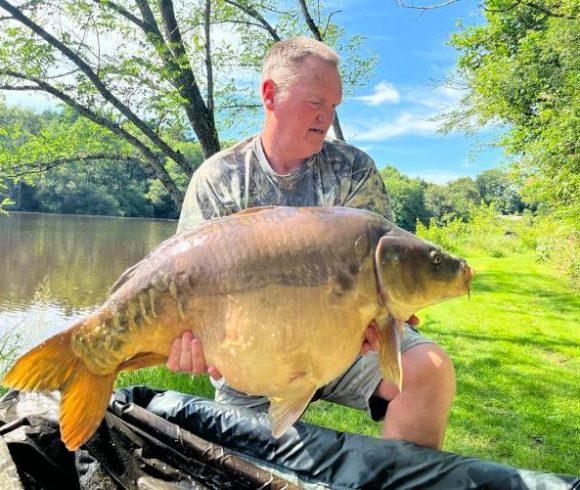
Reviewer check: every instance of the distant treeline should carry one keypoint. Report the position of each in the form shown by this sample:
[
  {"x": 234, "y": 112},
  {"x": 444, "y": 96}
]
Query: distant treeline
[
  {"x": 107, "y": 188},
  {"x": 413, "y": 199},
  {"x": 123, "y": 189}
]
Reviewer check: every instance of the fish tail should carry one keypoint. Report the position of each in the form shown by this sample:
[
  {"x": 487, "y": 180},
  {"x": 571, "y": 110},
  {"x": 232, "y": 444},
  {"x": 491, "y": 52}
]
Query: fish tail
[{"x": 52, "y": 366}]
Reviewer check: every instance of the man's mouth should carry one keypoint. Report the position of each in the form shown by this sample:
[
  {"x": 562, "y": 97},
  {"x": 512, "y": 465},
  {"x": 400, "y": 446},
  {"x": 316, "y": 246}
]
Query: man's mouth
[{"x": 316, "y": 130}]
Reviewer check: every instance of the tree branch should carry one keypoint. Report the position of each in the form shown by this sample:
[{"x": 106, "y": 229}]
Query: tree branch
[
  {"x": 121, "y": 10},
  {"x": 208, "y": 64},
  {"x": 240, "y": 106},
  {"x": 309, "y": 22},
  {"x": 252, "y": 12},
  {"x": 45, "y": 166},
  {"x": 98, "y": 84},
  {"x": 174, "y": 56},
  {"x": 154, "y": 162},
  {"x": 328, "y": 22},
  {"x": 21, "y": 87},
  {"x": 401, "y": 3}
]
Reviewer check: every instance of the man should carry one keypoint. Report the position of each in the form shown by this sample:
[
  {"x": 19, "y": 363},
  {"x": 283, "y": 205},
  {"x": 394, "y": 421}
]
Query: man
[{"x": 291, "y": 163}]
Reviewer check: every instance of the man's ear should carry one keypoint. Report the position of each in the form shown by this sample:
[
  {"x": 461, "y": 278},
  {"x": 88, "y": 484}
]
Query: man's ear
[{"x": 268, "y": 92}]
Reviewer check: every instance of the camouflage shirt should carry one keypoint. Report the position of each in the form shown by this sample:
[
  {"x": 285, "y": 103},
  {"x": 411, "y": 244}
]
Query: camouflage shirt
[{"x": 241, "y": 177}]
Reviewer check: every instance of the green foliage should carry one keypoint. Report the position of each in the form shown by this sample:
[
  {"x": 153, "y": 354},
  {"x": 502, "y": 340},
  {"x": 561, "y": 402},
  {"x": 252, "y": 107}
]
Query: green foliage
[
  {"x": 159, "y": 81},
  {"x": 523, "y": 70},
  {"x": 487, "y": 233},
  {"x": 451, "y": 201},
  {"x": 554, "y": 241},
  {"x": 78, "y": 198},
  {"x": 496, "y": 186},
  {"x": 10, "y": 347},
  {"x": 113, "y": 182},
  {"x": 407, "y": 198}
]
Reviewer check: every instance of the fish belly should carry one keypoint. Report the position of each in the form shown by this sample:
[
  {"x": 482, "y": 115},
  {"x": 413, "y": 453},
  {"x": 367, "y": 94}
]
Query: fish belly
[{"x": 272, "y": 340}]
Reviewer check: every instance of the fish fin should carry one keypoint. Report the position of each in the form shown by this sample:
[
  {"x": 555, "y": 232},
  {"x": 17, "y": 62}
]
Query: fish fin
[
  {"x": 257, "y": 209},
  {"x": 391, "y": 334},
  {"x": 82, "y": 407},
  {"x": 142, "y": 360},
  {"x": 284, "y": 411},
  {"x": 53, "y": 365},
  {"x": 46, "y": 367}
]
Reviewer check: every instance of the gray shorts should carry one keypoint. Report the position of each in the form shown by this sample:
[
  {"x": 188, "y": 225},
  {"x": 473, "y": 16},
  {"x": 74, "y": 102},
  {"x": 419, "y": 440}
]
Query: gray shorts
[{"x": 354, "y": 388}]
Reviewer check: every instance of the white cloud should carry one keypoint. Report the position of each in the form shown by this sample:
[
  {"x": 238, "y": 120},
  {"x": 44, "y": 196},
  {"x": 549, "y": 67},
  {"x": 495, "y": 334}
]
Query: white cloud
[
  {"x": 418, "y": 113},
  {"x": 404, "y": 124},
  {"x": 383, "y": 92}
]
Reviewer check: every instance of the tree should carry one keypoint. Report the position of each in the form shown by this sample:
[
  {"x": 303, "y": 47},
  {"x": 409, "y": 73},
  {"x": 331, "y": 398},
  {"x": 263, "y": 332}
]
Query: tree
[
  {"x": 453, "y": 200},
  {"x": 407, "y": 198},
  {"x": 495, "y": 186},
  {"x": 523, "y": 70},
  {"x": 154, "y": 73}
]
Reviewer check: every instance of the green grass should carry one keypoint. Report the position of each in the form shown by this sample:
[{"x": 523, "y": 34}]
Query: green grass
[{"x": 516, "y": 350}]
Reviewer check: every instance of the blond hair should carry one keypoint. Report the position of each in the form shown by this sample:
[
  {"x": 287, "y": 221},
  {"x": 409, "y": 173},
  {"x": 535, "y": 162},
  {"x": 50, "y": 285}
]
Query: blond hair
[{"x": 283, "y": 59}]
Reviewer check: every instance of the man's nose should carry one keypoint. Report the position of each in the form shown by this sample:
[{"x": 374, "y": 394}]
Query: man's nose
[{"x": 326, "y": 116}]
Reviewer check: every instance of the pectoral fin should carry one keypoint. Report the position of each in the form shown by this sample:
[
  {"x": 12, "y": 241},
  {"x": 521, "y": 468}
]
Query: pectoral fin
[
  {"x": 391, "y": 335},
  {"x": 286, "y": 410},
  {"x": 142, "y": 360}
]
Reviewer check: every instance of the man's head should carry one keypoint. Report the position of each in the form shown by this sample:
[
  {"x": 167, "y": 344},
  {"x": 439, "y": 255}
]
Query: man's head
[{"x": 300, "y": 90}]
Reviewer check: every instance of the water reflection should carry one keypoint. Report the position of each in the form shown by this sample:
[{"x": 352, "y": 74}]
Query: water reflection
[{"x": 55, "y": 268}]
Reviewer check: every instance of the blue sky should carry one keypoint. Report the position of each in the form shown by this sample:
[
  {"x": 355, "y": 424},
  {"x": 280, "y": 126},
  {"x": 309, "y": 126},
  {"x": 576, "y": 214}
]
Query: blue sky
[{"x": 391, "y": 117}]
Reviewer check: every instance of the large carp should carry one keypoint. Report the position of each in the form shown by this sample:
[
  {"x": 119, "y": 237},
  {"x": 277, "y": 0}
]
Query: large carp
[{"x": 280, "y": 298}]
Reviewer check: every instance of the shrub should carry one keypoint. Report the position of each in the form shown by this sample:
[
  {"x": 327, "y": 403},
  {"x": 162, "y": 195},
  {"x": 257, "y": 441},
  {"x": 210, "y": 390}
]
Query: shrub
[{"x": 553, "y": 240}]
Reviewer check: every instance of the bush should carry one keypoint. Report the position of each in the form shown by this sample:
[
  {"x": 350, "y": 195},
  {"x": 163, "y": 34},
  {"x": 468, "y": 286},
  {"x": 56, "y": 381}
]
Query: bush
[
  {"x": 487, "y": 233},
  {"x": 483, "y": 233},
  {"x": 554, "y": 241}
]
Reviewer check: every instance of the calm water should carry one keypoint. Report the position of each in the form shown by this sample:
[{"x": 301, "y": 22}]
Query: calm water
[{"x": 56, "y": 268}]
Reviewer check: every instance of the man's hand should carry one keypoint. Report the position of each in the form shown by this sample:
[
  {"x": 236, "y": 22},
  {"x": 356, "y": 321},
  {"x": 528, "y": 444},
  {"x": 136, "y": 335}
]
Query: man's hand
[
  {"x": 371, "y": 341},
  {"x": 186, "y": 355}
]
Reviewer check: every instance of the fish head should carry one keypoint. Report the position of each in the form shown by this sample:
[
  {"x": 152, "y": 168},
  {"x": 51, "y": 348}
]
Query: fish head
[{"x": 412, "y": 274}]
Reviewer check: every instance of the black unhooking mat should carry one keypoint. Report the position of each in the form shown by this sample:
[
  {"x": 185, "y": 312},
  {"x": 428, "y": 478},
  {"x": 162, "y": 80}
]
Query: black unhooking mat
[{"x": 155, "y": 439}]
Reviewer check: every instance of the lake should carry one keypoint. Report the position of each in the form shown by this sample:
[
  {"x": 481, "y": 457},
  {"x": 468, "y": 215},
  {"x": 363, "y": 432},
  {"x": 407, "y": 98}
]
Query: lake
[{"x": 55, "y": 268}]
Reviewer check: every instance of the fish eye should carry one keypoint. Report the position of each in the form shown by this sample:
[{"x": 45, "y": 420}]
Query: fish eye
[{"x": 436, "y": 257}]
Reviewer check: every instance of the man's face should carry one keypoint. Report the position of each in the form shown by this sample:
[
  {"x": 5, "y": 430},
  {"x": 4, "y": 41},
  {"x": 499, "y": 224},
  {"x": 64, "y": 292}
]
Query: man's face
[{"x": 305, "y": 111}]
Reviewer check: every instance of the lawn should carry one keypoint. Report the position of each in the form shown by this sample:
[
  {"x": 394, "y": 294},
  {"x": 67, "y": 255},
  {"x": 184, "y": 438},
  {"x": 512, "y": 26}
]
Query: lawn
[{"x": 516, "y": 349}]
